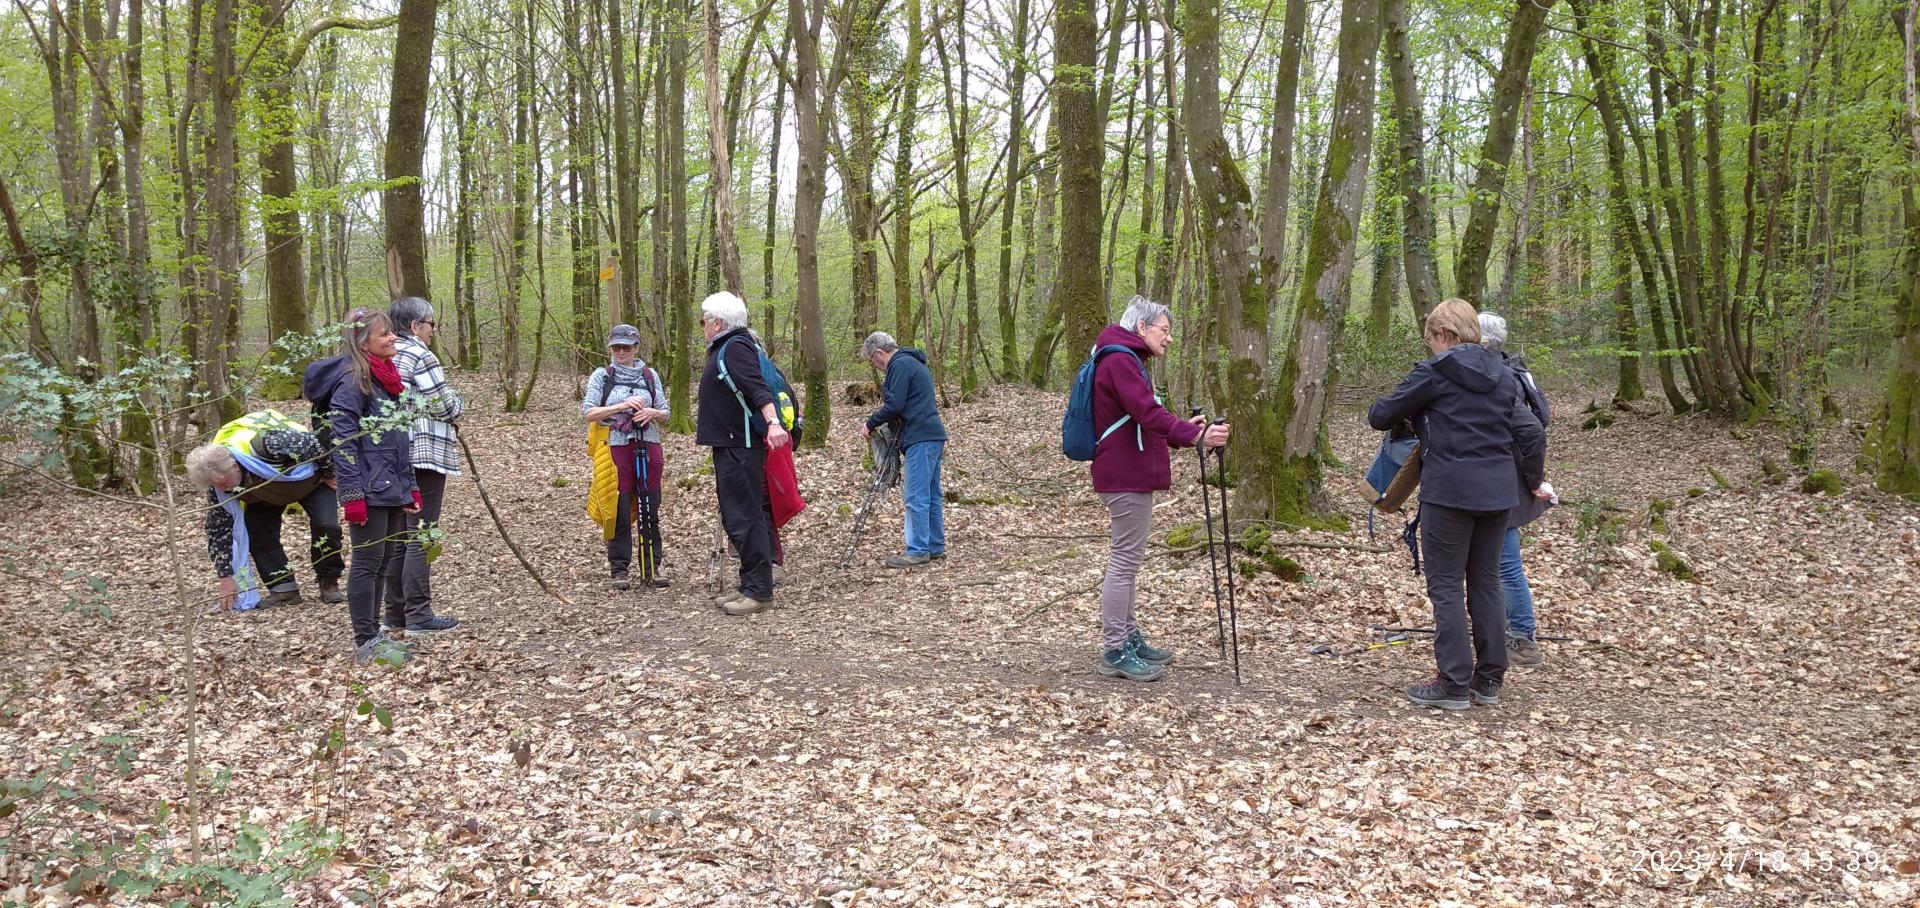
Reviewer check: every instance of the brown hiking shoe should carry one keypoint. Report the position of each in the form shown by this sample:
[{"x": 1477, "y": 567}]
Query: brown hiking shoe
[{"x": 1524, "y": 653}]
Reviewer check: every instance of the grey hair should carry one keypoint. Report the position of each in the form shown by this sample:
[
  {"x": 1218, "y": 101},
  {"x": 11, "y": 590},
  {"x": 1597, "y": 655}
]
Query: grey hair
[
  {"x": 877, "y": 342},
  {"x": 1493, "y": 331},
  {"x": 730, "y": 310},
  {"x": 208, "y": 463},
  {"x": 406, "y": 311},
  {"x": 1143, "y": 311}
]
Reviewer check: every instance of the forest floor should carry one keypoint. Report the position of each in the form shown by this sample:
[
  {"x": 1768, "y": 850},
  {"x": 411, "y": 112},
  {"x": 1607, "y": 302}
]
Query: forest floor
[{"x": 940, "y": 737}]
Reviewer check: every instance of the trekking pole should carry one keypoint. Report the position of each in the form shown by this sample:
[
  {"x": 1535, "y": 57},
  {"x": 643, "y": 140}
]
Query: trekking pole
[
  {"x": 647, "y": 567},
  {"x": 1213, "y": 563},
  {"x": 1226, "y": 531},
  {"x": 885, "y": 471}
]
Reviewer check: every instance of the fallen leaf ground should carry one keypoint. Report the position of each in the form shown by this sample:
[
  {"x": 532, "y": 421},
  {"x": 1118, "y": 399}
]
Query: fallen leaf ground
[{"x": 939, "y": 737}]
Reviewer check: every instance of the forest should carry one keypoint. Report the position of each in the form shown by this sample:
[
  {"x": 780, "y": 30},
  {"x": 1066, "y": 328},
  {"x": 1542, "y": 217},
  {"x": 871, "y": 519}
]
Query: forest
[{"x": 1699, "y": 218}]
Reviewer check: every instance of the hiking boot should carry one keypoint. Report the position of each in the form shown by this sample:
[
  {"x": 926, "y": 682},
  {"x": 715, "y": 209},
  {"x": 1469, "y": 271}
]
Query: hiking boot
[
  {"x": 1486, "y": 692},
  {"x": 1433, "y": 692},
  {"x": 1125, "y": 663},
  {"x": 331, "y": 593},
  {"x": 779, "y": 575},
  {"x": 1151, "y": 655},
  {"x": 742, "y": 604},
  {"x": 288, "y": 596},
  {"x": 905, "y": 560},
  {"x": 937, "y": 556},
  {"x": 659, "y": 583},
  {"x": 432, "y": 624},
  {"x": 620, "y": 581},
  {"x": 1524, "y": 653}
]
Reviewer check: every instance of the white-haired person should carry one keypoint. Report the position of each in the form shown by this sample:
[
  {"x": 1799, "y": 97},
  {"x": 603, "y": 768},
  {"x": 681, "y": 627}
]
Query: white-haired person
[
  {"x": 739, "y": 419},
  {"x": 1522, "y": 647},
  {"x": 1131, "y": 463},
  {"x": 255, "y": 468}
]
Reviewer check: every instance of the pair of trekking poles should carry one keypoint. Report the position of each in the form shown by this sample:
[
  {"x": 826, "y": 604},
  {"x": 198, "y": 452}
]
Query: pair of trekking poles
[
  {"x": 649, "y": 517},
  {"x": 1227, "y": 623}
]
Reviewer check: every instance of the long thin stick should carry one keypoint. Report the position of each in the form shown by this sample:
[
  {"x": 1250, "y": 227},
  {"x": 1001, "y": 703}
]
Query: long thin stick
[
  {"x": 473, "y": 471},
  {"x": 1213, "y": 564},
  {"x": 1226, "y": 529}
]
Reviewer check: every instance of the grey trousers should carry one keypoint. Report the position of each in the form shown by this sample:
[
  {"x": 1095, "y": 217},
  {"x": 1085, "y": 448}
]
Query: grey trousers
[{"x": 1130, "y": 518}]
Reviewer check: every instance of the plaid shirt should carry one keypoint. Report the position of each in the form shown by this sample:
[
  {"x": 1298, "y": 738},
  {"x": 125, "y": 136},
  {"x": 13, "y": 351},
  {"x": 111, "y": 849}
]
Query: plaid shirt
[{"x": 434, "y": 445}]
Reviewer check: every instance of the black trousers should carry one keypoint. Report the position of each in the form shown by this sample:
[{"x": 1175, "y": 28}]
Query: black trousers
[
  {"x": 1463, "y": 548},
  {"x": 409, "y": 582},
  {"x": 740, "y": 480},
  {"x": 323, "y": 527},
  {"x": 373, "y": 546}
]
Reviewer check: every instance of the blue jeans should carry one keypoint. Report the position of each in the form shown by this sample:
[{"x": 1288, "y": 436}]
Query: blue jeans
[
  {"x": 1513, "y": 581},
  {"x": 926, "y": 523}
]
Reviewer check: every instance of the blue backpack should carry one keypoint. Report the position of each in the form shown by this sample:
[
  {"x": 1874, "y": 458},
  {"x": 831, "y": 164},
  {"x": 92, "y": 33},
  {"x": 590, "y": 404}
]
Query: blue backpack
[
  {"x": 1077, "y": 436},
  {"x": 784, "y": 402}
]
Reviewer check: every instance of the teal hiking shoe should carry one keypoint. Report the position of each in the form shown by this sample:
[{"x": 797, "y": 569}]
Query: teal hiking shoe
[
  {"x": 1125, "y": 663},
  {"x": 1152, "y": 655}
]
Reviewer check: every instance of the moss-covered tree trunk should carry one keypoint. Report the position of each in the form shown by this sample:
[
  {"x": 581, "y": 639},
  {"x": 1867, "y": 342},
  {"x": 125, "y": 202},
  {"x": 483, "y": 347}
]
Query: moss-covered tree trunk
[
  {"x": 402, "y": 201},
  {"x": 1239, "y": 279},
  {"x": 1898, "y": 435},
  {"x": 1423, "y": 274},
  {"x": 1281, "y": 455},
  {"x": 1082, "y": 284},
  {"x": 903, "y": 324}
]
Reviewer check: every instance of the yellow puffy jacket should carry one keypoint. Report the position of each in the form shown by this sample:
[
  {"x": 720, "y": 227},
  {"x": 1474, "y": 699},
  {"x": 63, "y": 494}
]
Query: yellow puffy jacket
[{"x": 603, "y": 489}]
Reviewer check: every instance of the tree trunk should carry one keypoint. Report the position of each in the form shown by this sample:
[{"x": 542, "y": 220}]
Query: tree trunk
[
  {"x": 1046, "y": 292},
  {"x": 960, "y": 127},
  {"x": 279, "y": 211},
  {"x": 625, "y": 181},
  {"x": 1016, "y": 139},
  {"x": 1490, "y": 171},
  {"x": 1081, "y": 153},
  {"x": 858, "y": 153},
  {"x": 1386, "y": 235},
  {"x": 520, "y": 160},
  {"x": 909, "y": 115},
  {"x": 1897, "y": 437},
  {"x": 1241, "y": 268},
  {"x": 804, "y": 24},
  {"x": 223, "y": 235},
  {"x": 722, "y": 160},
  {"x": 406, "y": 143},
  {"x": 1286, "y": 96},
  {"x": 1417, "y": 249},
  {"x": 1285, "y": 483},
  {"x": 679, "y": 351},
  {"x": 1164, "y": 261}
]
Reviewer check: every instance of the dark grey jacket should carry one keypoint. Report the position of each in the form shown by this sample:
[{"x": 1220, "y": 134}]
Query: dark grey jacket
[{"x": 1475, "y": 430}]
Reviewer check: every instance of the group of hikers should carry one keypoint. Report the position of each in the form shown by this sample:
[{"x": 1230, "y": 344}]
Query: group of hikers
[{"x": 382, "y": 441}]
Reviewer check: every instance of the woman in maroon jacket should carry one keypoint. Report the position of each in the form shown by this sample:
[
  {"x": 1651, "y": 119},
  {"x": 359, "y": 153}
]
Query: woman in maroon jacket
[{"x": 1130, "y": 463}]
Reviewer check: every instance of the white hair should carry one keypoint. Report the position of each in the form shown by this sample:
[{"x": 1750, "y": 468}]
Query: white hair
[
  {"x": 726, "y": 308},
  {"x": 1493, "y": 331},
  {"x": 876, "y": 342},
  {"x": 208, "y": 463},
  {"x": 1142, "y": 311}
]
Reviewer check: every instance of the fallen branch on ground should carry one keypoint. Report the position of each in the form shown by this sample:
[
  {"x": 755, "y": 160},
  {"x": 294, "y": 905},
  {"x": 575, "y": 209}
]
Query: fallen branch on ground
[{"x": 499, "y": 524}]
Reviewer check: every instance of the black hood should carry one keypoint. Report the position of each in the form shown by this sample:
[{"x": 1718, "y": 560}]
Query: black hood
[{"x": 1470, "y": 366}]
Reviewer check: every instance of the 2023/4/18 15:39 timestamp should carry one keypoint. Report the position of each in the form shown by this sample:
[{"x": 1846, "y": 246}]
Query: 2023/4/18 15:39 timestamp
[{"x": 1683, "y": 861}]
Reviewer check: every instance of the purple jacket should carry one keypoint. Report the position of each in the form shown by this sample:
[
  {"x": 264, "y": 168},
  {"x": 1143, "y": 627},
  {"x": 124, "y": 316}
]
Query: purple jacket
[{"x": 1134, "y": 458}]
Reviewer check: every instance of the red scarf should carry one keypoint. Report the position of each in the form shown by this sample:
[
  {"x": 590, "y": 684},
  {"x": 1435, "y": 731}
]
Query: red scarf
[{"x": 386, "y": 373}]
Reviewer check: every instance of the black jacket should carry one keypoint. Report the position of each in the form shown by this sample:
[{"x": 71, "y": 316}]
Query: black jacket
[
  {"x": 721, "y": 422},
  {"x": 1475, "y": 428},
  {"x": 908, "y": 398},
  {"x": 376, "y": 466},
  {"x": 1531, "y": 508}
]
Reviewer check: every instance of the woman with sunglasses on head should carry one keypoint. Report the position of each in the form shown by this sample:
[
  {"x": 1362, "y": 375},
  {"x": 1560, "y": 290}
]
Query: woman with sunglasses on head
[
  {"x": 373, "y": 463},
  {"x": 627, "y": 398}
]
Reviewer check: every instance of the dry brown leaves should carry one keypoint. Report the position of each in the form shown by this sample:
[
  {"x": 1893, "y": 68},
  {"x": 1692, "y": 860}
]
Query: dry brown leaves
[{"x": 939, "y": 737}]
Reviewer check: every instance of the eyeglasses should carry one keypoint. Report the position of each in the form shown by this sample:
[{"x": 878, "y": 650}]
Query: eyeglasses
[
  {"x": 428, "y": 322},
  {"x": 619, "y": 348},
  {"x": 1165, "y": 328}
]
